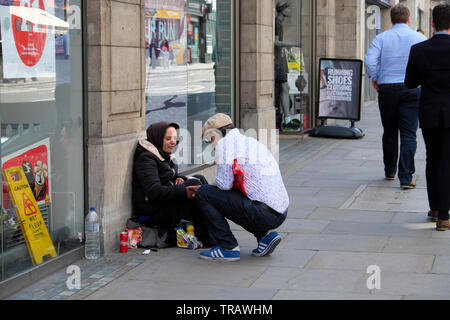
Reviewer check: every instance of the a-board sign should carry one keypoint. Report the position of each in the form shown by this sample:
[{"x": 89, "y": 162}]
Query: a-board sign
[
  {"x": 33, "y": 227},
  {"x": 340, "y": 89}
]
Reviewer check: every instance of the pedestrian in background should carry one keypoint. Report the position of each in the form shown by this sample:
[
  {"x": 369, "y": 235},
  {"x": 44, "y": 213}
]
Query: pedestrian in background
[
  {"x": 429, "y": 67},
  {"x": 385, "y": 64}
]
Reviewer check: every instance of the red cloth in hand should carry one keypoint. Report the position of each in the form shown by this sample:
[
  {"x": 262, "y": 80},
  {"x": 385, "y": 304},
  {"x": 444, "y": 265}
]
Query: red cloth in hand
[{"x": 238, "y": 177}]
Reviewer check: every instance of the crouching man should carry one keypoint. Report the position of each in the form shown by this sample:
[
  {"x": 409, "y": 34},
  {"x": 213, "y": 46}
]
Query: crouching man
[{"x": 249, "y": 191}]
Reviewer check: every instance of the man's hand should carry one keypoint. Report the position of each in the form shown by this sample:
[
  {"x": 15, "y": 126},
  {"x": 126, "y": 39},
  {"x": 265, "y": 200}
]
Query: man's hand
[
  {"x": 190, "y": 191},
  {"x": 375, "y": 85},
  {"x": 179, "y": 181}
]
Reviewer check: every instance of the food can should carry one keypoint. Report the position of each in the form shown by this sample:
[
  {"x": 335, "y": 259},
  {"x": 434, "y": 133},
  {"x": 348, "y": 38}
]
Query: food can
[{"x": 124, "y": 242}]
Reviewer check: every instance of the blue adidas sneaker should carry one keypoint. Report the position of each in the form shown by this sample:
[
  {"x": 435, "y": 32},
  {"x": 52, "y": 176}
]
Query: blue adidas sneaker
[
  {"x": 218, "y": 254},
  {"x": 267, "y": 244}
]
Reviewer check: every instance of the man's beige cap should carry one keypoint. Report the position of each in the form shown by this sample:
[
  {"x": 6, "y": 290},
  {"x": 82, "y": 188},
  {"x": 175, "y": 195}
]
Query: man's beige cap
[{"x": 217, "y": 121}]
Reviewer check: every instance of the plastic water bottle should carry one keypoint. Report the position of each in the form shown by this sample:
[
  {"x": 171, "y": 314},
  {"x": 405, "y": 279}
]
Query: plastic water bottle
[{"x": 92, "y": 232}]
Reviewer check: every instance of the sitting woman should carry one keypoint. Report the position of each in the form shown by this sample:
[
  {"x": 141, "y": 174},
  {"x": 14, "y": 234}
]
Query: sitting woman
[{"x": 161, "y": 197}]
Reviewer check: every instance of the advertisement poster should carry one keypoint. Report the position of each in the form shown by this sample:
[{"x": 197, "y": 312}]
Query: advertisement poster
[
  {"x": 28, "y": 41},
  {"x": 340, "y": 89},
  {"x": 35, "y": 162}
]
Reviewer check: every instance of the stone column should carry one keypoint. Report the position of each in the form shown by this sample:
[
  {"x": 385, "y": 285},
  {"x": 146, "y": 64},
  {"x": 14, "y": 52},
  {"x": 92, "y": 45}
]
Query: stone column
[
  {"x": 326, "y": 29},
  {"x": 348, "y": 29},
  {"x": 257, "y": 109},
  {"x": 116, "y": 107}
]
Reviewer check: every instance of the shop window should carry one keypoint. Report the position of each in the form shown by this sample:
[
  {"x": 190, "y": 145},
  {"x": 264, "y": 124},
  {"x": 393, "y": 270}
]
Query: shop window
[
  {"x": 189, "y": 50},
  {"x": 41, "y": 102},
  {"x": 292, "y": 65}
]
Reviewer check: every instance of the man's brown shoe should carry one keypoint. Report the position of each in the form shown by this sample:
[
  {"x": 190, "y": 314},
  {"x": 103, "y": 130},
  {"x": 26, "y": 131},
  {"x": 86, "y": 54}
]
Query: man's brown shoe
[
  {"x": 442, "y": 225},
  {"x": 408, "y": 186},
  {"x": 433, "y": 215}
]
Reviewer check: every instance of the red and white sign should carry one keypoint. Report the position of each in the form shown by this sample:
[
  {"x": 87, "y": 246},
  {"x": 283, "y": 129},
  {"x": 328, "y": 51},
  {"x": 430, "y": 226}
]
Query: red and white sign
[
  {"x": 28, "y": 38},
  {"x": 35, "y": 162}
]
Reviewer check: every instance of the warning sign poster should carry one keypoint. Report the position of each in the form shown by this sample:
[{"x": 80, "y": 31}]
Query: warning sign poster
[
  {"x": 35, "y": 162},
  {"x": 28, "y": 40}
]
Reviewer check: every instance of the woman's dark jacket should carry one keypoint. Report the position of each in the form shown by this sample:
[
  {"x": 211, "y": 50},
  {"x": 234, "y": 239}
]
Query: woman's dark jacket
[{"x": 153, "y": 183}]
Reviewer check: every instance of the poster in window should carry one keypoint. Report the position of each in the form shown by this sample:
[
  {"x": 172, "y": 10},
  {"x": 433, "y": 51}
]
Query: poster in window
[
  {"x": 340, "y": 89},
  {"x": 28, "y": 38},
  {"x": 35, "y": 162}
]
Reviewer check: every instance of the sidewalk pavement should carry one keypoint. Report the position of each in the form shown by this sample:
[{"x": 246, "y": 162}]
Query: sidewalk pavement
[{"x": 343, "y": 218}]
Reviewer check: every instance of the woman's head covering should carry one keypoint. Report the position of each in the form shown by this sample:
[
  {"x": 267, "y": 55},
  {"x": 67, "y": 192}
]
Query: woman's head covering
[{"x": 156, "y": 133}]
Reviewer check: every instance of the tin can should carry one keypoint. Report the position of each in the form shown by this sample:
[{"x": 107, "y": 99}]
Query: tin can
[{"x": 124, "y": 242}]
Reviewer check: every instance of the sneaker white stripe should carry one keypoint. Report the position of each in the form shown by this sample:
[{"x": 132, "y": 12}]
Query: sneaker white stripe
[{"x": 220, "y": 253}]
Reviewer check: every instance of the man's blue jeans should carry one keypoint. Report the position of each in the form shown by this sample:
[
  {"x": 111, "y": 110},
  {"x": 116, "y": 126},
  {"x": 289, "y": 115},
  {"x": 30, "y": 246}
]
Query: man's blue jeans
[
  {"x": 399, "y": 109},
  {"x": 218, "y": 205}
]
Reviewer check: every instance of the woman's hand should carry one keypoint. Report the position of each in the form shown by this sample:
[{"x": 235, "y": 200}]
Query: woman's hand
[
  {"x": 179, "y": 181},
  {"x": 190, "y": 191}
]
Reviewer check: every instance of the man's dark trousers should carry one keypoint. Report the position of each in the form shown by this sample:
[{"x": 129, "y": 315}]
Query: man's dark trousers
[
  {"x": 399, "y": 109},
  {"x": 437, "y": 143},
  {"x": 218, "y": 205}
]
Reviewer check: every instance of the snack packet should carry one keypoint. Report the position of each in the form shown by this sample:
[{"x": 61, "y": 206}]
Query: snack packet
[
  {"x": 182, "y": 238},
  {"x": 134, "y": 237},
  {"x": 194, "y": 243},
  {"x": 187, "y": 241}
]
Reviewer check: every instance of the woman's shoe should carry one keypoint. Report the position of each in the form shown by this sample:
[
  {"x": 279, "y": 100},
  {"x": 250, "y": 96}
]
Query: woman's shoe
[{"x": 442, "y": 225}]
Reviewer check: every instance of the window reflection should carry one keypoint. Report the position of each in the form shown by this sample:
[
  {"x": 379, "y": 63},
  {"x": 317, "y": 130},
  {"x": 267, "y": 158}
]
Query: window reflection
[
  {"x": 41, "y": 124},
  {"x": 189, "y": 63}
]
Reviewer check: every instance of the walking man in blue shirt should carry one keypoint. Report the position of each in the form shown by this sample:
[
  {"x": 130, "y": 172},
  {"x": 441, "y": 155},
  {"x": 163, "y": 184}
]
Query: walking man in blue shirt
[{"x": 385, "y": 64}]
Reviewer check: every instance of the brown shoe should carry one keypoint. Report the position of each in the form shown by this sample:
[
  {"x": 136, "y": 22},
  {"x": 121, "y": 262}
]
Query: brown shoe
[
  {"x": 442, "y": 225},
  {"x": 408, "y": 186},
  {"x": 433, "y": 215}
]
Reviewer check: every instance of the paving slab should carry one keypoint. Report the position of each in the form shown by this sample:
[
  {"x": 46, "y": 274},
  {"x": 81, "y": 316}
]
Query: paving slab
[
  {"x": 417, "y": 245},
  {"x": 414, "y": 284},
  {"x": 345, "y": 281},
  {"x": 333, "y": 214},
  {"x": 336, "y": 242},
  {"x": 388, "y": 199},
  {"x": 285, "y": 294},
  {"x": 280, "y": 258},
  {"x": 172, "y": 290},
  {"x": 421, "y": 230},
  {"x": 200, "y": 272},
  {"x": 441, "y": 265},
  {"x": 361, "y": 261}
]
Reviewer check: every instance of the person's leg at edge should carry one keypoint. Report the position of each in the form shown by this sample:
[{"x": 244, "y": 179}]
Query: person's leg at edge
[
  {"x": 387, "y": 101},
  {"x": 408, "y": 124},
  {"x": 444, "y": 186},
  {"x": 432, "y": 171}
]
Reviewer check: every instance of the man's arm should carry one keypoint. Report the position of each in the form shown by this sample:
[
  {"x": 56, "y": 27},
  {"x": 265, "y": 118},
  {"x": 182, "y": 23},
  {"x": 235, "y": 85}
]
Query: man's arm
[
  {"x": 412, "y": 79},
  {"x": 372, "y": 59},
  {"x": 224, "y": 177}
]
